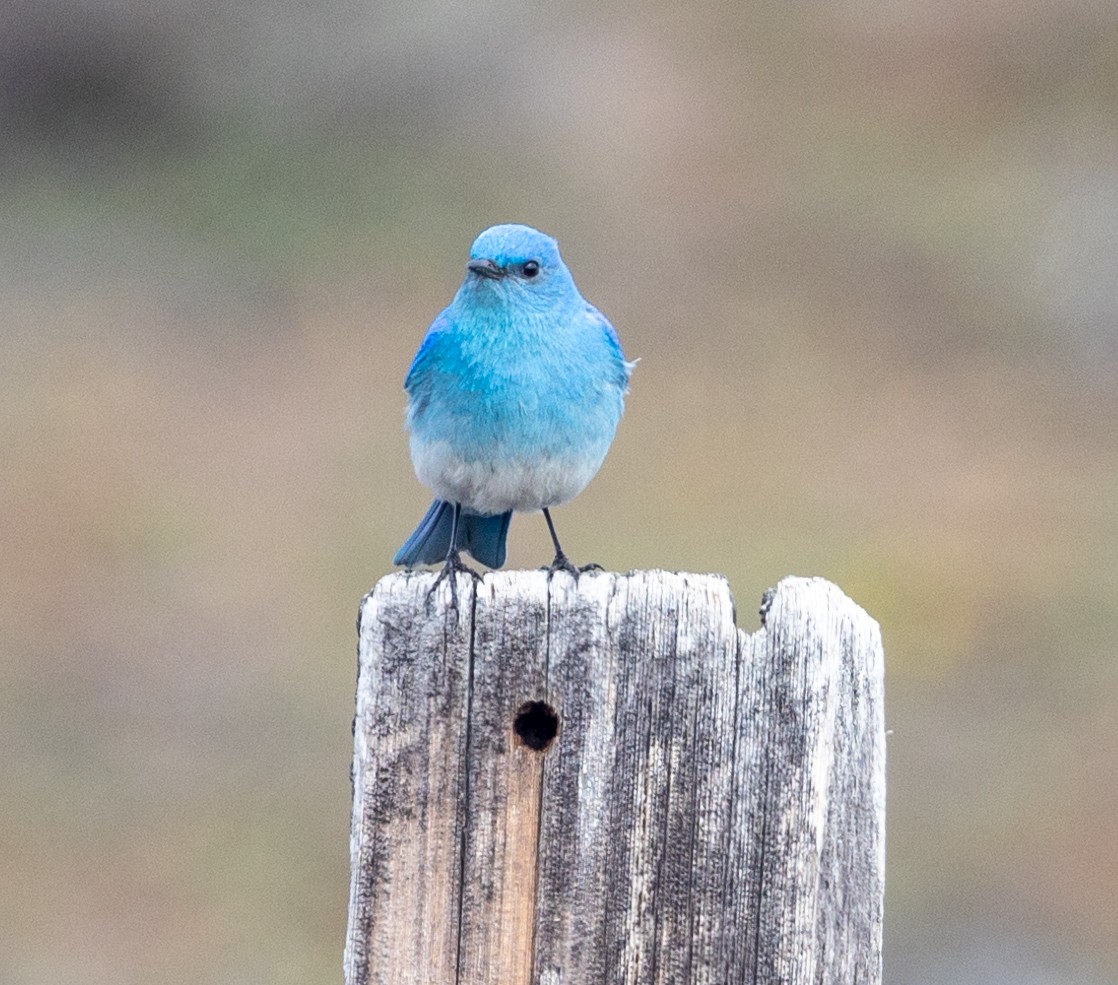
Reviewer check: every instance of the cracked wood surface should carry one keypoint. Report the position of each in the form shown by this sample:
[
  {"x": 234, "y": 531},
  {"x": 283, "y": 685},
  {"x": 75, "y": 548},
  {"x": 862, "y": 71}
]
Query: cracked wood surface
[{"x": 711, "y": 810}]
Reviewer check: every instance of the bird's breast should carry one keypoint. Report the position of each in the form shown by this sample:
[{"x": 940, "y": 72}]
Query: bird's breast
[{"x": 488, "y": 486}]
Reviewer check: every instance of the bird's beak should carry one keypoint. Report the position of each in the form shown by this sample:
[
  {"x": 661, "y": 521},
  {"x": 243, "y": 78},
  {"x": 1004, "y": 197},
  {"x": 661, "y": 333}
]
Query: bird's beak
[{"x": 485, "y": 268}]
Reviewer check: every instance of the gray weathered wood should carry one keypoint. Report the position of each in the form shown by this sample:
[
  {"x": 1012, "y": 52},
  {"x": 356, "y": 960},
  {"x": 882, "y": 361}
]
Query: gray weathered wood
[{"x": 711, "y": 811}]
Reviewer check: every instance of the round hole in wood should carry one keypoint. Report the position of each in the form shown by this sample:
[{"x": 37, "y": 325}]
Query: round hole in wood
[{"x": 536, "y": 724}]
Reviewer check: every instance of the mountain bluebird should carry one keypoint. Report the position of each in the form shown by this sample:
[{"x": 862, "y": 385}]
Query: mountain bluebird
[{"x": 514, "y": 398}]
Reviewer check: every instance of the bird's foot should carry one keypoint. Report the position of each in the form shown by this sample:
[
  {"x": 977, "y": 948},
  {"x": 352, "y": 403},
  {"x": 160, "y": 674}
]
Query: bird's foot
[
  {"x": 564, "y": 563},
  {"x": 454, "y": 565}
]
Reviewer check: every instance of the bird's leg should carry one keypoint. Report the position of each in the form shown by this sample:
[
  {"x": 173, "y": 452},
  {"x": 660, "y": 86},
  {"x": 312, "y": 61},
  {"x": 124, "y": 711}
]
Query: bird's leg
[
  {"x": 562, "y": 562},
  {"x": 454, "y": 563}
]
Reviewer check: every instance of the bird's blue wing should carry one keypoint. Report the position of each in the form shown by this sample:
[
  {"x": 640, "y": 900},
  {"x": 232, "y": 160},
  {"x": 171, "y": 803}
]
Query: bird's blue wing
[
  {"x": 624, "y": 368},
  {"x": 431, "y": 340}
]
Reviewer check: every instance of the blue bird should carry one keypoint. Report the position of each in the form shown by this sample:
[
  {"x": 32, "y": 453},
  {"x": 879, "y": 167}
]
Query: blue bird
[{"x": 514, "y": 398}]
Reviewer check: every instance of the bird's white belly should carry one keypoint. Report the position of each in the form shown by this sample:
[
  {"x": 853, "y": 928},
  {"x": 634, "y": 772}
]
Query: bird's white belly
[{"x": 499, "y": 485}]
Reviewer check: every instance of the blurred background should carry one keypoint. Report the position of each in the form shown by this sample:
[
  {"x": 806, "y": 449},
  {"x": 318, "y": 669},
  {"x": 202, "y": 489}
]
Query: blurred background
[{"x": 867, "y": 253}]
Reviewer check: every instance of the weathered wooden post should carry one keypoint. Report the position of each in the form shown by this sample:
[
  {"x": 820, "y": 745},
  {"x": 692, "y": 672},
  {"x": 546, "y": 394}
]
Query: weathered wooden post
[{"x": 610, "y": 783}]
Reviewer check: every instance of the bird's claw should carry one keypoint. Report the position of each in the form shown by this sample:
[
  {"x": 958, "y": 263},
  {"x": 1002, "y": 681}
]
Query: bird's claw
[
  {"x": 454, "y": 565},
  {"x": 564, "y": 563}
]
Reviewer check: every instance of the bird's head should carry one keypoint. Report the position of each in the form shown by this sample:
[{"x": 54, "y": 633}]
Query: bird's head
[{"x": 517, "y": 265}]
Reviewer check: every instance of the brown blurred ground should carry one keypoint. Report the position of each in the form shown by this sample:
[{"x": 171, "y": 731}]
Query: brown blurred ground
[{"x": 868, "y": 256}]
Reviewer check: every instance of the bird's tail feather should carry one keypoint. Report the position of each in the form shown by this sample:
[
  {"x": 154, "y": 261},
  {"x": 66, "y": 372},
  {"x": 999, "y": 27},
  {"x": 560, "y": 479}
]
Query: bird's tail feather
[
  {"x": 429, "y": 543},
  {"x": 482, "y": 536}
]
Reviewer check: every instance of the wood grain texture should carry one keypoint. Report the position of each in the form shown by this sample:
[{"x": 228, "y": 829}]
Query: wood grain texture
[{"x": 711, "y": 810}]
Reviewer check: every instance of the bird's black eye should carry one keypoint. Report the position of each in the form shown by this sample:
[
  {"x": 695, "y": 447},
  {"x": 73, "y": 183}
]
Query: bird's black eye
[{"x": 531, "y": 268}]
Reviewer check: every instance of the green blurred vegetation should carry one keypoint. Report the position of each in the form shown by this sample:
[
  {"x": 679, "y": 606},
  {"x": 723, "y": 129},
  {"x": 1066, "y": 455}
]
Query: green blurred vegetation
[{"x": 868, "y": 257}]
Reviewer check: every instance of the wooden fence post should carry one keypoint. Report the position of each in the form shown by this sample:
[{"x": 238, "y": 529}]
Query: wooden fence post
[{"x": 610, "y": 783}]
